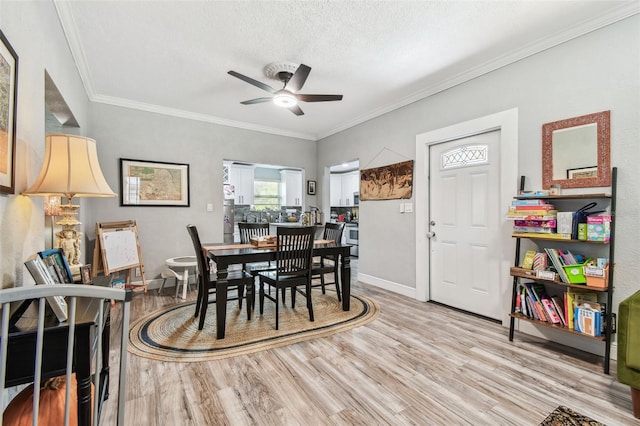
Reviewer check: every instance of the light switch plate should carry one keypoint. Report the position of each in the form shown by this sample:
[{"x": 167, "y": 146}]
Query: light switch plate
[
  {"x": 209, "y": 207},
  {"x": 401, "y": 207},
  {"x": 408, "y": 207}
]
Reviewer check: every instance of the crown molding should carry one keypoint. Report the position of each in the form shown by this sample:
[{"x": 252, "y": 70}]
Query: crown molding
[
  {"x": 623, "y": 12},
  {"x": 69, "y": 27},
  {"x": 125, "y": 103}
]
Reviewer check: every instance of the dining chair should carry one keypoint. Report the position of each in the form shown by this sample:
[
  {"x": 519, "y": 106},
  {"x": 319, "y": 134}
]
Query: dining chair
[
  {"x": 236, "y": 280},
  {"x": 293, "y": 268},
  {"x": 328, "y": 264}
]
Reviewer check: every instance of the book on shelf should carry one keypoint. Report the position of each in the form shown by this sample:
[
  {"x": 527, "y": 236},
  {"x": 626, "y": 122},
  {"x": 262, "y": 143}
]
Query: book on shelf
[
  {"x": 529, "y": 257},
  {"x": 41, "y": 275},
  {"x": 534, "y": 217},
  {"x": 532, "y": 212},
  {"x": 588, "y": 319},
  {"x": 554, "y": 257},
  {"x": 559, "y": 305},
  {"x": 533, "y": 229},
  {"x": 535, "y": 223},
  {"x": 532, "y": 202},
  {"x": 551, "y": 311},
  {"x": 540, "y": 262},
  {"x": 574, "y": 297},
  {"x": 534, "y": 207}
]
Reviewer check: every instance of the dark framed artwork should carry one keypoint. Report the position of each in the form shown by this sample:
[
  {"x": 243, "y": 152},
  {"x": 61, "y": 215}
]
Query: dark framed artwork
[
  {"x": 311, "y": 187},
  {"x": 583, "y": 173},
  {"x": 85, "y": 274},
  {"x": 56, "y": 262},
  {"x": 153, "y": 183},
  {"x": 8, "y": 97}
]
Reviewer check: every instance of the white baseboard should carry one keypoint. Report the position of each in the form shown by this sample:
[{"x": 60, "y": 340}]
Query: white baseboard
[{"x": 387, "y": 285}]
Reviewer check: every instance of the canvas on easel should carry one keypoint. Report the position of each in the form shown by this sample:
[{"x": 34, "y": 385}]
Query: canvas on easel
[{"x": 118, "y": 249}]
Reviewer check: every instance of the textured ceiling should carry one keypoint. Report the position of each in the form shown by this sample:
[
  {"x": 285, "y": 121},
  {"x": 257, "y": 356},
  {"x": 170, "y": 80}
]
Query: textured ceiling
[{"x": 172, "y": 57}]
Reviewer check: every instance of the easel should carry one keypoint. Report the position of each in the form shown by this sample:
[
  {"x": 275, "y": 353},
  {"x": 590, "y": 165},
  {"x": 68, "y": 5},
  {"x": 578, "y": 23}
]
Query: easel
[{"x": 117, "y": 248}]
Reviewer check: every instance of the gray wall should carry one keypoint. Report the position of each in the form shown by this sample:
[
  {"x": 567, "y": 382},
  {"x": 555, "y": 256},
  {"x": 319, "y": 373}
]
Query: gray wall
[
  {"x": 128, "y": 133},
  {"x": 34, "y": 31},
  {"x": 596, "y": 72}
]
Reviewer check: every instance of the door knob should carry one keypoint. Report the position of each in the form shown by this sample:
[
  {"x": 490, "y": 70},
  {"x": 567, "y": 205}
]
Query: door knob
[{"x": 431, "y": 234}]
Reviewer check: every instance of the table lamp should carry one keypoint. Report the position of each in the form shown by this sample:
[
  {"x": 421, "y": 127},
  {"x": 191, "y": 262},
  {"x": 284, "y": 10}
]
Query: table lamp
[{"x": 70, "y": 169}]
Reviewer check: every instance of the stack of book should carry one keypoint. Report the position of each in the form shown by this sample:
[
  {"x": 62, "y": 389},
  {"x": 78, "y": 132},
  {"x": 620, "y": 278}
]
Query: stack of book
[
  {"x": 534, "y": 218},
  {"x": 576, "y": 310}
]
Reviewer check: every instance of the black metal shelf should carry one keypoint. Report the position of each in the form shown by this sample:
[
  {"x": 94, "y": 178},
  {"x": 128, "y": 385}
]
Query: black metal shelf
[{"x": 519, "y": 273}]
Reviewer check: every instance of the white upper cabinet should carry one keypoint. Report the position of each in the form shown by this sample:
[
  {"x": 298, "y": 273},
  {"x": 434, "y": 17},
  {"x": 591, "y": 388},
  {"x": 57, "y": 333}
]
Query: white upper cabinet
[
  {"x": 291, "y": 188},
  {"x": 343, "y": 187},
  {"x": 241, "y": 177}
]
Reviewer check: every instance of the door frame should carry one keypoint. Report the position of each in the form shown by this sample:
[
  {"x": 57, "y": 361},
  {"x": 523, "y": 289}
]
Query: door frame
[{"x": 507, "y": 123}]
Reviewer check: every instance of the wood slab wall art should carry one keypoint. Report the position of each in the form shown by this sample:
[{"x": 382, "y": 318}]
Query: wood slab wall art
[{"x": 391, "y": 182}]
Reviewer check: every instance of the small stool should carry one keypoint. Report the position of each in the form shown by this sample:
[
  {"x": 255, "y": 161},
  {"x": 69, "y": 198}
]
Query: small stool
[
  {"x": 170, "y": 273},
  {"x": 186, "y": 262}
]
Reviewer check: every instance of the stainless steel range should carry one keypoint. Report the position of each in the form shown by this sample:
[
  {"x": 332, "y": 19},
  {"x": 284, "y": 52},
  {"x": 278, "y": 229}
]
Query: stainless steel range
[{"x": 351, "y": 231}]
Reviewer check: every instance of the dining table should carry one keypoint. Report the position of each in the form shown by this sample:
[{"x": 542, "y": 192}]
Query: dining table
[{"x": 226, "y": 254}]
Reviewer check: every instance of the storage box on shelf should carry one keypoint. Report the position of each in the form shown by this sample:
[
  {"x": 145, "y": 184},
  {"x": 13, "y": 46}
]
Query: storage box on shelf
[{"x": 573, "y": 289}]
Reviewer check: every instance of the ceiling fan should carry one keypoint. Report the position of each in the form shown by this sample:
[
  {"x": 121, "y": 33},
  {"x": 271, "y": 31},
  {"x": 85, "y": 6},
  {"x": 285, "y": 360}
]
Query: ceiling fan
[{"x": 293, "y": 82}]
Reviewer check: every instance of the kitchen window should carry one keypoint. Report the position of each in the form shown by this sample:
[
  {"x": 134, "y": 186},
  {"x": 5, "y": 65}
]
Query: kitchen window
[{"x": 266, "y": 194}]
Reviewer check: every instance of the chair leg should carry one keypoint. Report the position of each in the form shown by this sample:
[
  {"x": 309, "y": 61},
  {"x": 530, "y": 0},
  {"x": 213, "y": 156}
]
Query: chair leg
[
  {"x": 240, "y": 294},
  {"x": 335, "y": 280},
  {"x": 277, "y": 307},
  {"x": 262, "y": 296},
  {"x": 250, "y": 297},
  {"x": 309, "y": 303},
  {"x": 322, "y": 283},
  {"x": 177, "y": 287},
  {"x": 164, "y": 280},
  {"x": 198, "y": 299},
  {"x": 203, "y": 304}
]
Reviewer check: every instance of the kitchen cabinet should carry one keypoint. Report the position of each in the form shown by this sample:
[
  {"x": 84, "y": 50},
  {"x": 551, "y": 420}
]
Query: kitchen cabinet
[
  {"x": 291, "y": 188},
  {"x": 241, "y": 177},
  {"x": 342, "y": 188}
]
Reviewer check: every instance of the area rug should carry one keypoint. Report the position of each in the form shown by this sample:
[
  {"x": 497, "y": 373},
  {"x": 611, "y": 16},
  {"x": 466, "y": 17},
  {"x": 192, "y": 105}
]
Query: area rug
[
  {"x": 171, "y": 334},
  {"x": 564, "y": 416}
]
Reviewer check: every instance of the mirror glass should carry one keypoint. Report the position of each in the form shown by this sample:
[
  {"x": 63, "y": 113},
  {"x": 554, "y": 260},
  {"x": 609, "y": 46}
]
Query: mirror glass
[{"x": 575, "y": 152}]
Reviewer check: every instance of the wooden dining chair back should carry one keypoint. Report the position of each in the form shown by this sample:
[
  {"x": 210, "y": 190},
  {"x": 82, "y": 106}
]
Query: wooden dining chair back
[
  {"x": 236, "y": 280},
  {"x": 328, "y": 264},
  {"x": 248, "y": 230},
  {"x": 293, "y": 268}
]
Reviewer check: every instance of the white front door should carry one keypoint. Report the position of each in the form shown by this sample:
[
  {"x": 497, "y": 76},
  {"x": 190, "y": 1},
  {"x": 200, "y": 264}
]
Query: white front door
[{"x": 465, "y": 217}]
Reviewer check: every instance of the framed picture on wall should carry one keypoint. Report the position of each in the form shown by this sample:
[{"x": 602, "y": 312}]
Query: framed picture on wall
[
  {"x": 153, "y": 183},
  {"x": 8, "y": 96},
  {"x": 311, "y": 187}
]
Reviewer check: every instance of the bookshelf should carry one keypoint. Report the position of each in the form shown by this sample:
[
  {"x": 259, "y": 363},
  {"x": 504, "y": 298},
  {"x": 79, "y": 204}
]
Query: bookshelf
[{"x": 521, "y": 275}]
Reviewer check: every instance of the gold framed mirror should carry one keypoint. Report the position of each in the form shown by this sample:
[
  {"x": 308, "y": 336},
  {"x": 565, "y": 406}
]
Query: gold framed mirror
[{"x": 575, "y": 151}]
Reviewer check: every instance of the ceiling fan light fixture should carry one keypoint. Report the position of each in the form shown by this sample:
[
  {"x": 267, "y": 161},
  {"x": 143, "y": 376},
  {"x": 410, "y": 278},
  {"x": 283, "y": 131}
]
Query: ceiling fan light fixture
[{"x": 285, "y": 99}]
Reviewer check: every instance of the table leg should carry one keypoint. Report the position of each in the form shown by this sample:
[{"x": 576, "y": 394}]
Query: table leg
[
  {"x": 221, "y": 301},
  {"x": 185, "y": 282},
  {"x": 345, "y": 276}
]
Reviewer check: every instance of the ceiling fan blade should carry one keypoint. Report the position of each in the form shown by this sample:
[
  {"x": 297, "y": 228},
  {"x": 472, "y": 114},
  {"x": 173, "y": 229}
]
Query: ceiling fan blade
[
  {"x": 256, "y": 101},
  {"x": 296, "y": 110},
  {"x": 298, "y": 78},
  {"x": 252, "y": 81},
  {"x": 318, "y": 98}
]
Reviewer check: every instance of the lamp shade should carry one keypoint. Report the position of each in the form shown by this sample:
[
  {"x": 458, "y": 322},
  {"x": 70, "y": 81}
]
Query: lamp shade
[{"x": 70, "y": 168}]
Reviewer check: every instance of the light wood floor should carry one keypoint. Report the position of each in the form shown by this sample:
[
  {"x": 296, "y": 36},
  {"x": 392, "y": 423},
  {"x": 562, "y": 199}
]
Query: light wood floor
[{"x": 416, "y": 364}]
